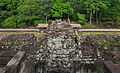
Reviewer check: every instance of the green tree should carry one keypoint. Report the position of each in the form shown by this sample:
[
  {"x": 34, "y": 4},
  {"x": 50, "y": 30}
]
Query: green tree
[
  {"x": 61, "y": 9},
  {"x": 30, "y": 9},
  {"x": 10, "y": 22},
  {"x": 93, "y": 7},
  {"x": 113, "y": 11},
  {"x": 30, "y": 12}
]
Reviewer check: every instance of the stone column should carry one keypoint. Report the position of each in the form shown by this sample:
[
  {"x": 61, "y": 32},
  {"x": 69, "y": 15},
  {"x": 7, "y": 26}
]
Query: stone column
[{"x": 82, "y": 69}]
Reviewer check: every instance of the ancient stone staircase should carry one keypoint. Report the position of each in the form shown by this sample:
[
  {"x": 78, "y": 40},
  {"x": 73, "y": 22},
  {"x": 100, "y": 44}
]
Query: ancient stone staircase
[{"x": 5, "y": 57}]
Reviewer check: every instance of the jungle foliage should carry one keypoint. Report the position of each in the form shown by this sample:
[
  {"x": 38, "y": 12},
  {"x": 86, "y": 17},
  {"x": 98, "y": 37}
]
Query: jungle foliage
[{"x": 23, "y": 13}]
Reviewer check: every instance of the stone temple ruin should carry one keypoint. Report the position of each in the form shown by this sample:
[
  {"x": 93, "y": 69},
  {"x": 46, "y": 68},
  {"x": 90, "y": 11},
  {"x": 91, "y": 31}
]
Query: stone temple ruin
[
  {"x": 60, "y": 49},
  {"x": 61, "y": 52}
]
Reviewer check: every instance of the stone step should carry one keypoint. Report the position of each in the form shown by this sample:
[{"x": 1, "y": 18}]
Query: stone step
[
  {"x": 2, "y": 70},
  {"x": 8, "y": 53},
  {"x": 4, "y": 60},
  {"x": 5, "y": 57},
  {"x": 3, "y": 65}
]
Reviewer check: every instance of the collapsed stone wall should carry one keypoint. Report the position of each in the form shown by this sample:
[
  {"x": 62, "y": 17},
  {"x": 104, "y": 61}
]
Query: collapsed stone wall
[
  {"x": 105, "y": 43},
  {"x": 59, "y": 49},
  {"x": 59, "y": 55}
]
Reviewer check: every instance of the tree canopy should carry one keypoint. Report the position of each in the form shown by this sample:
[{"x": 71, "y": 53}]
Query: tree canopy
[{"x": 23, "y": 13}]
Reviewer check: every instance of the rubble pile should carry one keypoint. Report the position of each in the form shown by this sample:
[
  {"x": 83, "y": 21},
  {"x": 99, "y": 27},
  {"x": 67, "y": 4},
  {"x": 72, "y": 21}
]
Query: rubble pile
[
  {"x": 62, "y": 49},
  {"x": 58, "y": 53}
]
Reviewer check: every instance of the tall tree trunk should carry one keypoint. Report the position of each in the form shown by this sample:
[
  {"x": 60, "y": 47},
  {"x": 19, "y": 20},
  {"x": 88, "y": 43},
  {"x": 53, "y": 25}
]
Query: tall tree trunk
[
  {"x": 97, "y": 17},
  {"x": 100, "y": 18},
  {"x": 46, "y": 19},
  {"x": 90, "y": 20},
  {"x": 68, "y": 20}
]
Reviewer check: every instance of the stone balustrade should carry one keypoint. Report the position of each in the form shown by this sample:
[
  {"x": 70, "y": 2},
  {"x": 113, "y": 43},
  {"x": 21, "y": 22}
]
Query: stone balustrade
[{"x": 13, "y": 65}]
